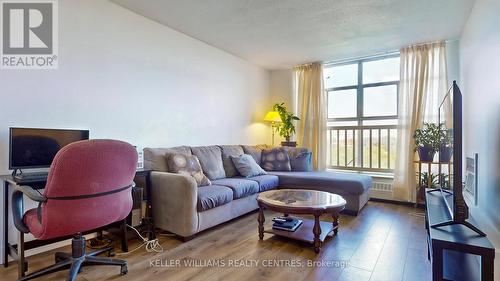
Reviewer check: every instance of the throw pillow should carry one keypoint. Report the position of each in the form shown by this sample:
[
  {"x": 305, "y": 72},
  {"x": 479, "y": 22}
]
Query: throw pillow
[
  {"x": 275, "y": 159},
  {"x": 255, "y": 151},
  {"x": 301, "y": 162},
  {"x": 246, "y": 166},
  {"x": 188, "y": 165}
]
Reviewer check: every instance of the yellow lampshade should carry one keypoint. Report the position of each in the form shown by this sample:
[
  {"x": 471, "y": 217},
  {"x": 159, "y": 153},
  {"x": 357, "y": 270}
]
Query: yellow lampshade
[{"x": 272, "y": 116}]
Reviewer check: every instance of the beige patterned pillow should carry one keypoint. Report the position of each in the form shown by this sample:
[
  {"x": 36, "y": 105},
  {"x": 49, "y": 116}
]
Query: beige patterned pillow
[{"x": 188, "y": 165}]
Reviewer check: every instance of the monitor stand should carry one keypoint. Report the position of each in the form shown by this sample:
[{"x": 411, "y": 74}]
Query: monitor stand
[{"x": 15, "y": 172}]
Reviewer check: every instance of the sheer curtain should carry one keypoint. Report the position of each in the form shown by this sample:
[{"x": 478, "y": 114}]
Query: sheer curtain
[
  {"x": 311, "y": 109},
  {"x": 423, "y": 82}
]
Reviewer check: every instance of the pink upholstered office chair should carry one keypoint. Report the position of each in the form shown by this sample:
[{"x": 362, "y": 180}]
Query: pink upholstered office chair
[{"x": 88, "y": 187}]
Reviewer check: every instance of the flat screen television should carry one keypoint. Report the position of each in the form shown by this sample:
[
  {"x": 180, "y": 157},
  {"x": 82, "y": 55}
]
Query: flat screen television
[
  {"x": 450, "y": 117},
  {"x": 35, "y": 148}
]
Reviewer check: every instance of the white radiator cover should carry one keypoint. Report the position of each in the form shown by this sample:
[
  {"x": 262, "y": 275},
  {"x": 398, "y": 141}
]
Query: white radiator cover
[{"x": 382, "y": 188}]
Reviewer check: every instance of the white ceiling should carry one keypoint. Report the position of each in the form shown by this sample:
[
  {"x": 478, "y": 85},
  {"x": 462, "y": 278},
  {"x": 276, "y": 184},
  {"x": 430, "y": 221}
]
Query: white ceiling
[{"x": 279, "y": 34}]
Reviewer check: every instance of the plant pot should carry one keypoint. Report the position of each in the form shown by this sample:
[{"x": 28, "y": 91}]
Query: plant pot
[
  {"x": 445, "y": 153},
  {"x": 289, "y": 143},
  {"x": 426, "y": 153},
  {"x": 421, "y": 194}
]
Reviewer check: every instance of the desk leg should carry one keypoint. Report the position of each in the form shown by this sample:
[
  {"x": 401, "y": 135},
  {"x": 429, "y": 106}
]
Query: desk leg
[
  {"x": 149, "y": 210},
  {"x": 6, "y": 224},
  {"x": 21, "y": 267},
  {"x": 437, "y": 263},
  {"x": 487, "y": 268}
]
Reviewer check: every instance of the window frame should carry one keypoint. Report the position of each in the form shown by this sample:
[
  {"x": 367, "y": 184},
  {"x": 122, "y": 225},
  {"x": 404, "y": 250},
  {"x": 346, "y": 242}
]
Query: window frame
[{"x": 360, "y": 90}]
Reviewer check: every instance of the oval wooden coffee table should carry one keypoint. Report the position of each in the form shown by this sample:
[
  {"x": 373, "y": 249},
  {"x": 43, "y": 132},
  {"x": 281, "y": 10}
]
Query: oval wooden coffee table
[{"x": 304, "y": 202}]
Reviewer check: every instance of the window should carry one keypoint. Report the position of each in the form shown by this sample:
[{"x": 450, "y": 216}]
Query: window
[{"x": 362, "y": 113}]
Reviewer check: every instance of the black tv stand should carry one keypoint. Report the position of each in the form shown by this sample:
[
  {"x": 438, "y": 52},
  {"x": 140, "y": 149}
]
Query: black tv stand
[
  {"x": 439, "y": 189},
  {"x": 455, "y": 249},
  {"x": 465, "y": 223}
]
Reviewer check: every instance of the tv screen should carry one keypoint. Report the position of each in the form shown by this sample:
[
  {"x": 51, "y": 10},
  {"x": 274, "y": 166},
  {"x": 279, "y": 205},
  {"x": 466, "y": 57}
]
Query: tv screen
[
  {"x": 447, "y": 125},
  {"x": 36, "y": 148},
  {"x": 450, "y": 116}
]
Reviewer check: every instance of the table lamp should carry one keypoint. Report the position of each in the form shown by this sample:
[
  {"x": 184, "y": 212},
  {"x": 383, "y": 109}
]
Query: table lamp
[{"x": 273, "y": 117}]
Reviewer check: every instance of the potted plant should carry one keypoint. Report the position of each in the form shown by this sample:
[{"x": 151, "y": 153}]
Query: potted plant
[
  {"x": 287, "y": 127},
  {"x": 427, "y": 141},
  {"x": 444, "y": 181},
  {"x": 446, "y": 144},
  {"x": 425, "y": 180}
]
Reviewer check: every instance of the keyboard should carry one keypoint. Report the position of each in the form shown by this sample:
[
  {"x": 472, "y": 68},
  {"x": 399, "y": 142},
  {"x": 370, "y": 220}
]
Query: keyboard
[{"x": 32, "y": 176}]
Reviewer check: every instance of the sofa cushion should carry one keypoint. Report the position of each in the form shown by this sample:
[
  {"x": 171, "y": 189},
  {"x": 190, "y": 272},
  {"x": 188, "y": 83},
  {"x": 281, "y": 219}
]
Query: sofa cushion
[
  {"x": 212, "y": 196},
  {"x": 246, "y": 166},
  {"x": 188, "y": 165},
  {"x": 275, "y": 159},
  {"x": 255, "y": 151},
  {"x": 301, "y": 162},
  {"x": 241, "y": 187},
  {"x": 211, "y": 161},
  {"x": 341, "y": 183},
  {"x": 227, "y": 152},
  {"x": 266, "y": 182},
  {"x": 154, "y": 158}
]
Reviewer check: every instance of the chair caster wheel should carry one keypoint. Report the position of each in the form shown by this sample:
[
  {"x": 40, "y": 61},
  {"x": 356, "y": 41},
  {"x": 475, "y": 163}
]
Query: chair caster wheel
[
  {"x": 123, "y": 270},
  {"x": 111, "y": 254}
]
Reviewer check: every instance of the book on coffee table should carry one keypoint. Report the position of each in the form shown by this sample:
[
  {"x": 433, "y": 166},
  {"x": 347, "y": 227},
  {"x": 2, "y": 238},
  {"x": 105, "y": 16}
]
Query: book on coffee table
[{"x": 288, "y": 224}]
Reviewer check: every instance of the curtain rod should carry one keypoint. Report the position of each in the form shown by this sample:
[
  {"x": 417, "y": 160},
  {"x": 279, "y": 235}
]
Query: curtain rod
[{"x": 379, "y": 54}]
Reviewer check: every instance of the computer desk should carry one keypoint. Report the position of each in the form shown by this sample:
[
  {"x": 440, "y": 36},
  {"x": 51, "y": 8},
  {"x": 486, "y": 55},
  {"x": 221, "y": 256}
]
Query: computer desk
[{"x": 12, "y": 250}]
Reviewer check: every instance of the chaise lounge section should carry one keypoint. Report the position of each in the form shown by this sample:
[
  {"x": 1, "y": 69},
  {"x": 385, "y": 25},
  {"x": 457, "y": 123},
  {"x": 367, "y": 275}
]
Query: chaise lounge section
[{"x": 183, "y": 208}]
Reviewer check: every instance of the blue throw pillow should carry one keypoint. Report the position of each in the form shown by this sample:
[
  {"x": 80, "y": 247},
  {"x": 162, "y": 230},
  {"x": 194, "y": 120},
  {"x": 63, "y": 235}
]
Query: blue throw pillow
[
  {"x": 246, "y": 166},
  {"x": 302, "y": 162}
]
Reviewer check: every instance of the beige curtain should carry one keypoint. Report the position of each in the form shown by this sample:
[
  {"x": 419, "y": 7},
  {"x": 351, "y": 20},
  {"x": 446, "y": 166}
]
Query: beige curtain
[
  {"x": 423, "y": 83},
  {"x": 311, "y": 109}
]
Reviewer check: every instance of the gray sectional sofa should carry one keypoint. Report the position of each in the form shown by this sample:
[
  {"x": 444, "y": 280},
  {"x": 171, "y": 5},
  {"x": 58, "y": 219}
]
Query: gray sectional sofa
[{"x": 183, "y": 208}]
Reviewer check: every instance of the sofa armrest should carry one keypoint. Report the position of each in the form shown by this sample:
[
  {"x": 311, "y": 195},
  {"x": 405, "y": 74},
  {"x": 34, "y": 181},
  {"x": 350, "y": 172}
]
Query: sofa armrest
[{"x": 174, "y": 201}]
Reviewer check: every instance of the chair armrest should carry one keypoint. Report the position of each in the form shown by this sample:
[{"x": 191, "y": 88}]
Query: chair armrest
[
  {"x": 18, "y": 204},
  {"x": 174, "y": 200}
]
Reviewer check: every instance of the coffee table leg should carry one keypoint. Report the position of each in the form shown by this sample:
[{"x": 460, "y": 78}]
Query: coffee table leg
[
  {"x": 336, "y": 223},
  {"x": 317, "y": 233},
  {"x": 261, "y": 219}
]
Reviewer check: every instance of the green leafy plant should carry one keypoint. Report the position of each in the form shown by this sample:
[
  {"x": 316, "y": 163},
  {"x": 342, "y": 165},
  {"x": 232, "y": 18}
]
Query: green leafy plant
[
  {"x": 434, "y": 180},
  {"x": 287, "y": 127},
  {"x": 429, "y": 136},
  {"x": 444, "y": 180}
]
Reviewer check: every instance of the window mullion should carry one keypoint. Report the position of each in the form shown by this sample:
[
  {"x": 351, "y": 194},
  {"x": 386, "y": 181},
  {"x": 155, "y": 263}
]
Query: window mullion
[{"x": 360, "y": 112}]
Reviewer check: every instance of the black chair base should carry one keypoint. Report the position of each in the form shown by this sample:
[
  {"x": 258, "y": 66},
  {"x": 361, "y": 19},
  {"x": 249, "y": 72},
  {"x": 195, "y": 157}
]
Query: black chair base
[{"x": 78, "y": 259}]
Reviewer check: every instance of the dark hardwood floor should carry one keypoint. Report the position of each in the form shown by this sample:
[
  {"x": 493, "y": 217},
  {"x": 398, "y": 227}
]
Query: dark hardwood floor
[{"x": 384, "y": 242}]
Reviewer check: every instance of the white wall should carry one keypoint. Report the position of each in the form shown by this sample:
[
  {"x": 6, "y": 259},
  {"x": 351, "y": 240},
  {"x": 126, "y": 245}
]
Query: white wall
[
  {"x": 281, "y": 90},
  {"x": 125, "y": 77},
  {"x": 480, "y": 75},
  {"x": 281, "y": 87},
  {"x": 452, "y": 60}
]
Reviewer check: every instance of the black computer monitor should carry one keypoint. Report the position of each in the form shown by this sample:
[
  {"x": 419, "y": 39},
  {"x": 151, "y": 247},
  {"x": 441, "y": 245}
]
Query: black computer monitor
[{"x": 36, "y": 148}]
